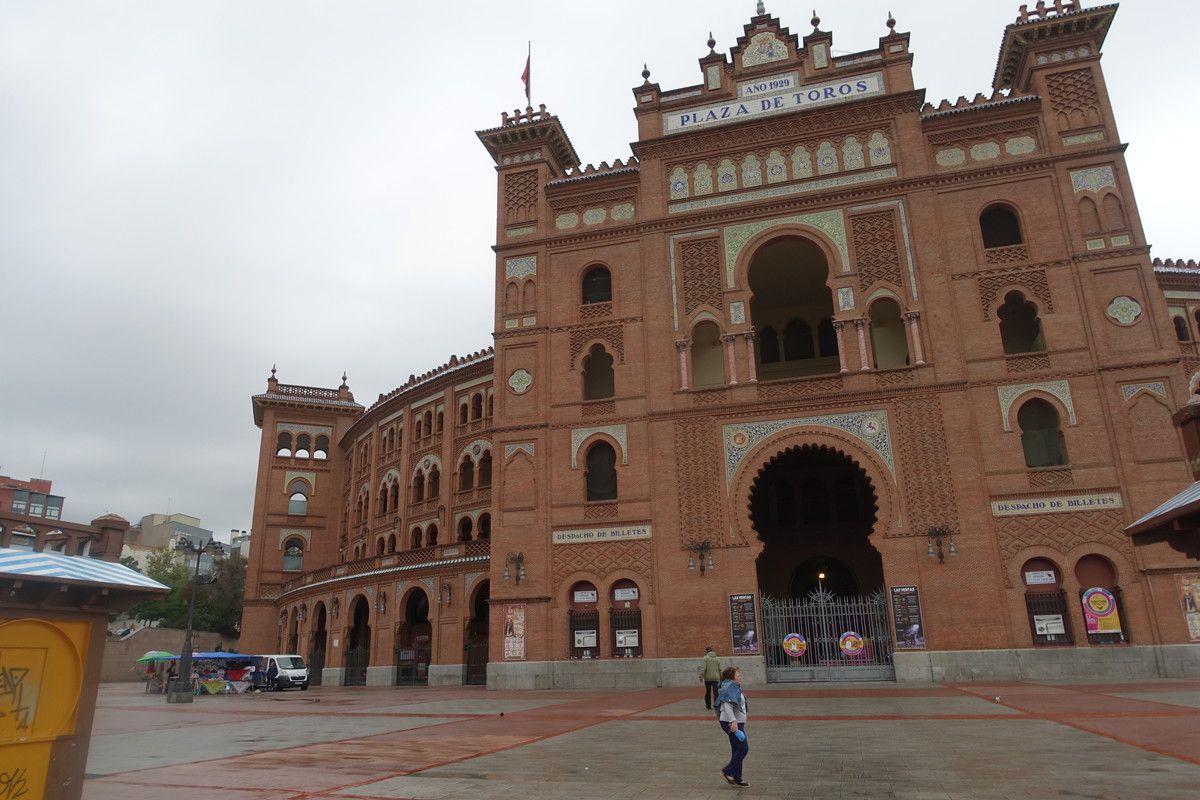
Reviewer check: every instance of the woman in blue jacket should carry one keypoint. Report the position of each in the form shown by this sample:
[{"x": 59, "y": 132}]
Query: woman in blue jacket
[{"x": 731, "y": 711}]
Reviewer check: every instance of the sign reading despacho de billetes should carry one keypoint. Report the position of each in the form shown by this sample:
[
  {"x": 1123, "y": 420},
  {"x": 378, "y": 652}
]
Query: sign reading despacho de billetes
[
  {"x": 1059, "y": 504},
  {"x": 790, "y": 99},
  {"x": 589, "y": 535}
]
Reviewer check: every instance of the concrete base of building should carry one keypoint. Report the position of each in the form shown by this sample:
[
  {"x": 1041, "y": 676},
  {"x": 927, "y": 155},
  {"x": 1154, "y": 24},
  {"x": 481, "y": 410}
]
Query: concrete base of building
[
  {"x": 333, "y": 676},
  {"x": 381, "y": 676},
  {"x": 1048, "y": 664},
  {"x": 617, "y": 673},
  {"x": 445, "y": 674}
]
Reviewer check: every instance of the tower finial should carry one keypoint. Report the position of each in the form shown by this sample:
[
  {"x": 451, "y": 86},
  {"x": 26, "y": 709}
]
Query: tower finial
[
  {"x": 646, "y": 73},
  {"x": 816, "y": 21},
  {"x": 762, "y": 8},
  {"x": 272, "y": 370},
  {"x": 712, "y": 44},
  {"x": 343, "y": 386},
  {"x": 891, "y": 23}
]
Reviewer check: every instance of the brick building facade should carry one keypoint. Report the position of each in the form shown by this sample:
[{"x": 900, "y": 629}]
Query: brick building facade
[{"x": 904, "y": 369}]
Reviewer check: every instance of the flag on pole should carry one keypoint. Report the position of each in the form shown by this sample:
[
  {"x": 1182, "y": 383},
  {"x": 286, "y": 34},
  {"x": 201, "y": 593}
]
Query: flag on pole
[{"x": 525, "y": 75}]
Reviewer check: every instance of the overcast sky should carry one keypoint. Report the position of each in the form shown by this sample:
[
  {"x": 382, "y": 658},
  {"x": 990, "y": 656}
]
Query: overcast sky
[{"x": 192, "y": 191}]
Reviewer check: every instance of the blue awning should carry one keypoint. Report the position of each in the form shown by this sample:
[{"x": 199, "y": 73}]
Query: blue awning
[
  {"x": 81, "y": 569},
  {"x": 1185, "y": 503}
]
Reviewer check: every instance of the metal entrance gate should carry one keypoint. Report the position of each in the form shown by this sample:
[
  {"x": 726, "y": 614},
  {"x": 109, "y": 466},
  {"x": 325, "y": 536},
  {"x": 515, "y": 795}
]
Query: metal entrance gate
[
  {"x": 823, "y": 619},
  {"x": 475, "y": 662}
]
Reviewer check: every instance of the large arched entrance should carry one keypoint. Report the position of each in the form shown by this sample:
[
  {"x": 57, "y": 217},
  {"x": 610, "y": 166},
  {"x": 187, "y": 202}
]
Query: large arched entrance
[
  {"x": 358, "y": 646},
  {"x": 414, "y": 641},
  {"x": 316, "y": 653},
  {"x": 791, "y": 308},
  {"x": 820, "y": 577},
  {"x": 476, "y": 639}
]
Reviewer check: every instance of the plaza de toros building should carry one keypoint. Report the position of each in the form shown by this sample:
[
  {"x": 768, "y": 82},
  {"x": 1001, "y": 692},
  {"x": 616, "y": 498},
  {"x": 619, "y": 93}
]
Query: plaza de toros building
[{"x": 842, "y": 382}]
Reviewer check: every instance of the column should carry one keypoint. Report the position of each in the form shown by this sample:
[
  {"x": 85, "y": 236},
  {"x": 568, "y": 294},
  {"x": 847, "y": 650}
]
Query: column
[
  {"x": 841, "y": 345},
  {"x": 915, "y": 330},
  {"x": 752, "y": 371},
  {"x": 730, "y": 358},
  {"x": 682, "y": 347},
  {"x": 860, "y": 323}
]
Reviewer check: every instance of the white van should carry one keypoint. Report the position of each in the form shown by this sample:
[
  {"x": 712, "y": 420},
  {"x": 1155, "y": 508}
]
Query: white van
[{"x": 284, "y": 670}]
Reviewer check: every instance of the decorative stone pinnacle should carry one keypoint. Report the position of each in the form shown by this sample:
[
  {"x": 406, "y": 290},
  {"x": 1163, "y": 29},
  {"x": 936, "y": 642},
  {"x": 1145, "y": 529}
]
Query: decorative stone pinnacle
[
  {"x": 343, "y": 386},
  {"x": 891, "y": 23},
  {"x": 762, "y": 8},
  {"x": 816, "y": 21},
  {"x": 272, "y": 370},
  {"x": 712, "y": 43},
  {"x": 646, "y": 73}
]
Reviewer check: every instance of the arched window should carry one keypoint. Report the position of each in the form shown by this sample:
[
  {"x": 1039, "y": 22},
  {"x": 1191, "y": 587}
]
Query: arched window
[
  {"x": 601, "y": 472},
  {"x": 428, "y": 419},
  {"x": 1000, "y": 227},
  {"x": 485, "y": 527},
  {"x": 417, "y": 425},
  {"x": 416, "y": 538},
  {"x": 431, "y": 534},
  {"x": 435, "y": 482},
  {"x": 293, "y": 555},
  {"x": 1041, "y": 438},
  {"x": 511, "y": 298},
  {"x": 1181, "y": 329},
  {"x": 441, "y": 418},
  {"x": 477, "y": 406},
  {"x": 303, "y": 445},
  {"x": 1020, "y": 328},
  {"x": 888, "y": 340},
  {"x": 597, "y": 286},
  {"x": 708, "y": 362},
  {"x": 383, "y": 501},
  {"x": 394, "y": 495},
  {"x": 464, "y": 529},
  {"x": 1114, "y": 215},
  {"x": 391, "y": 543},
  {"x": 598, "y": 374},
  {"x": 1089, "y": 216},
  {"x": 283, "y": 446},
  {"x": 485, "y": 468},
  {"x": 768, "y": 346},
  {"x": 298, "y": 497},
  {"x": 418, "y": 492},
  {"x": 1100, "y": 596},
  {"x": 462, "y": 413},
  {"x": 797, "y": 341},
  {"x": 466, "y": 474},
  {"x": 322, "y": 448},
  {"x": 1046, "y": 603},
  {"x": 490, "y": 404},
  {"x": 380, "y": 545}
]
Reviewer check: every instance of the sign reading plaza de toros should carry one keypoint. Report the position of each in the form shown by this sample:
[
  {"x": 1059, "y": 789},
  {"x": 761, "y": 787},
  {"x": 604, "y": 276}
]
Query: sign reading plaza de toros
[
  {"x": 589, "y": 535},
  {"x": 1101, "y": 501},
  {"x": 789, "y": 98}
]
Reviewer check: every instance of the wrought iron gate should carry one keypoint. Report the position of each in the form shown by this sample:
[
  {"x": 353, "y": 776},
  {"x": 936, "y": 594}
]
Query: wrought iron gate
[
  {"x": 475, "y": 662},
  {"x": 356, "y": 666},
  {"x": 845, "y": 638},
  {"x": 316, "y": 665}
]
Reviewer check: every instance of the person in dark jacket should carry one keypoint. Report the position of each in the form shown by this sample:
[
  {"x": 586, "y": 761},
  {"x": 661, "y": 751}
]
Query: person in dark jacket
[
  {"x": 710, "y": 675},
  {"x": 732, "y": 710}
]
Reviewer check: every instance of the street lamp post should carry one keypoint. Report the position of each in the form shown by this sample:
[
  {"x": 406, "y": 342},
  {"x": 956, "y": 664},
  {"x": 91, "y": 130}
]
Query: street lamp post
[{"x": 180, "y": 690}]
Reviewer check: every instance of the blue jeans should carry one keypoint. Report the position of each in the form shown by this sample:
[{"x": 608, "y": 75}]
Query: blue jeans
[{"x": 740, "y": 749}]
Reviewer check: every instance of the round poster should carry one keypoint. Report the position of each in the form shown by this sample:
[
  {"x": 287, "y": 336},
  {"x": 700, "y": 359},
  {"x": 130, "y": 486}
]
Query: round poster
[
  {"x": 794, "y": 645},
  {"x": 851, "y": 643},
  {"x": 1099, "y": 601}
]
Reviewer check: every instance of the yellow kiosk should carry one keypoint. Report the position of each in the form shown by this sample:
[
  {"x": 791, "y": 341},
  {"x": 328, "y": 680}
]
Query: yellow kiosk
[{"x": 54, "y": 612}]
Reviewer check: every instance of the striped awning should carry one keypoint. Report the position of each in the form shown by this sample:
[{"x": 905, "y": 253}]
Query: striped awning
[
  {"x": 80, "y": 569},
  {"x": 1185, "y": 503}
]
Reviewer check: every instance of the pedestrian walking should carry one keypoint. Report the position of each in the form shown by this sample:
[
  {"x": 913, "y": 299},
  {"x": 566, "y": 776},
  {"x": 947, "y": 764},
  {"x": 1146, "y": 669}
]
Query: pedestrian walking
[
  {"x": 731, "y": 712},
  {"x": 710, "y": 675}
]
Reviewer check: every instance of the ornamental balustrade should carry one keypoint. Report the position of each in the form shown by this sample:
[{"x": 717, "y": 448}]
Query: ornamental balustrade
[{"x": 401, "y": 558}]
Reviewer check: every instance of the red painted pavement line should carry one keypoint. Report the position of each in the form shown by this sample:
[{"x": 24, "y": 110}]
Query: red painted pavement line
[{"x": 1140, "y": 746}]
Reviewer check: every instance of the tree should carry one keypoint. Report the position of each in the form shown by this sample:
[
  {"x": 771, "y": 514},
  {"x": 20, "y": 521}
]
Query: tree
[
  {"x": 218, "y": 595},
  {"x": 131, "y": 562}
]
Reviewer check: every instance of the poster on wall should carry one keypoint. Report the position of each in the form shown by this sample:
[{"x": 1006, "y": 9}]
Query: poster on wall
[
  {"x": 1100, "y": 613},
  {"x": 585, "y": 638},
  {"x": 514, "y": 632},
  {"x": 1189, "y": 598},
  {"x": 585, "y": 596},
  {"x": 906, "y": 614},
  {"x": 742, "y": 625},
  {"x": 1049, "y": 625},
  {"x": 628, "y": 637},
  {"x": 625, "y": 594}
]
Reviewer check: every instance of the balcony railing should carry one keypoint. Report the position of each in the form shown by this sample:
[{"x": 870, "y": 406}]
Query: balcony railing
[{"x": 401, "y": 558}]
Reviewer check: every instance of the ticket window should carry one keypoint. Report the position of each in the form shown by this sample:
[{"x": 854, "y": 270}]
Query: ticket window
[
  {"x": 626, "y": 619},
  {"x": 1046, "y": 603},
  {"x": 1100, "y": 601},
  {"x": 584, "y": 621}
]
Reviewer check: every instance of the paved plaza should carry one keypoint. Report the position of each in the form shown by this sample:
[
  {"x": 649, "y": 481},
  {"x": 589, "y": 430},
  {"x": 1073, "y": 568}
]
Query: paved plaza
[{"x": 807, "y": 741}]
